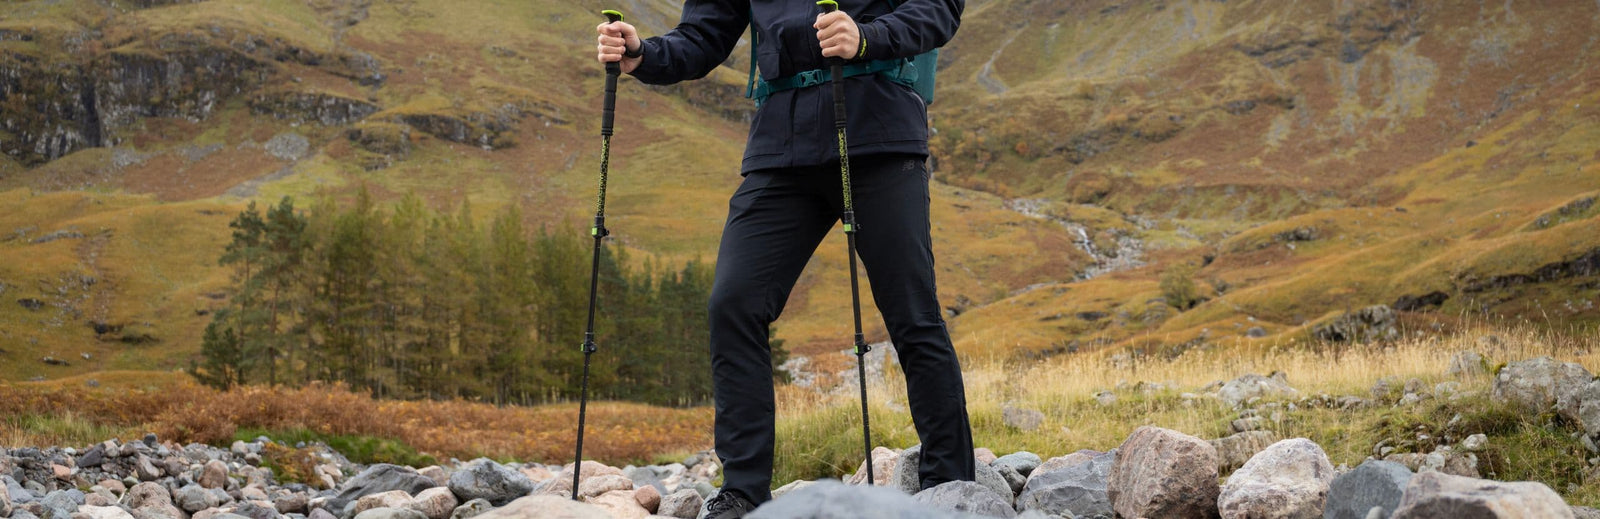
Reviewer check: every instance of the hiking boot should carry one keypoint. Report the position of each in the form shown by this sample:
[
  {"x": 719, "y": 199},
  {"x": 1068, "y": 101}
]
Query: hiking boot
[{"x": 726, "y": 505}]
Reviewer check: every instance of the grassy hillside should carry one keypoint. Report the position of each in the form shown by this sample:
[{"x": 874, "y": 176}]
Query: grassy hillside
[{"x": 1303, "y": 159}]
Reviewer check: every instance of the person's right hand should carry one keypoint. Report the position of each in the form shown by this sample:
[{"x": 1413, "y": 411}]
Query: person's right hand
[{"x": 615, "y": 39}]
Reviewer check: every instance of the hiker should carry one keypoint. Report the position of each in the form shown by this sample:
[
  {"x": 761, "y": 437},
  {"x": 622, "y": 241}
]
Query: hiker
[{"x": 791, "y": 197}]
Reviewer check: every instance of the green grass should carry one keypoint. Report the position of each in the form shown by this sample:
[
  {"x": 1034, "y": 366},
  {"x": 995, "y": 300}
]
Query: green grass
[{"x": 359, "y": 449}]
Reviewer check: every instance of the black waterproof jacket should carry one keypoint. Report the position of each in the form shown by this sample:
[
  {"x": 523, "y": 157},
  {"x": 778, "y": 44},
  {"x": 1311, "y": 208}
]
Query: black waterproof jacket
[{"x": 795, "y": 127}]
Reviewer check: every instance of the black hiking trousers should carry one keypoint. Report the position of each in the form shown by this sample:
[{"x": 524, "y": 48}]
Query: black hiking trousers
[{"x": 776, "y": 220}]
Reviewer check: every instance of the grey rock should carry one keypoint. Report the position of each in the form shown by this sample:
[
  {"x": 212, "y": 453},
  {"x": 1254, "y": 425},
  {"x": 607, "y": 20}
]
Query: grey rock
[
  {"x": 391, "y": 513},
  {"x": 214, "y": 475},
  {"x": 486, "y": 479},
  {"x": 5, "y": 501},
  {"x": 906, "y": 477},
  {"x": 194, "y": 498},
  {"x": 683, "y": 504},
  {"x": 1542, "y": 384},
  {"x": 1234, "y": 451},
  {"x": 1240, "y": 390},
  {"x": 546, "y": 507},
  {"x": 1584, "y": 512},
  {"x": 836, "y": 500},
  {"x": 378, "y": 478},
  {"x": 791, "y": 487},
  {"x": 1288, "y": 480},
  {"x": 1474, "y": 442},
  {"x": 1014, "y": 480},
  {"x": 1467, "y": 364},
  {"x": 61, "y": 503},
  {"x": 1020, "y": 418},
  {"x": 18, "y": 494},
  {"x": 1589, "y": 409},
  {"x": 1254, "y": 423},
  {"x": 254, "y": 511},
  {"x": 965, "y": 496},
  {"x": 436, "y": 503},
  {"x": 989, "y": 477},
  {"x": 1077, "y": 490},
  {"x": 471, "y": 509},
  {"x": 1164, "y": 473},
  {"x": 1374, "y": 484},
  {"x": 1436, "y": 494},
  {"x": 1022, "y": 461}
]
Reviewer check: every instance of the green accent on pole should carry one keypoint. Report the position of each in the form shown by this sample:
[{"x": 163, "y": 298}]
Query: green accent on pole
[
  {"x": 849, "y": 228},
  {"x": 826, "y": 4},
  {"x": 612, "y": 14}
]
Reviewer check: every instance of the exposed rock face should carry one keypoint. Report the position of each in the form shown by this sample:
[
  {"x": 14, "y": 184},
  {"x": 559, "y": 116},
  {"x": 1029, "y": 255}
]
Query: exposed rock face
[
  {"x": 1164, "y": 473},
  {"x": 966, "y": 496},
  {"x": 1435, "y": 494},
  {"x": 1288, "y": 480},
  {"x": 325, "y": 109},
  {"x": 1374, "y": 484},
  {"x": 1370, "y": 324},
  {"x": 1078, "y": 489},
  {"x": 1543, "y": 384}
]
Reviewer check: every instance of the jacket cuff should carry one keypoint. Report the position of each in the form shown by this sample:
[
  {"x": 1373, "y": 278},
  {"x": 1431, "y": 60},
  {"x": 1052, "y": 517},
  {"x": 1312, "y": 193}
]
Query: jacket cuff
[
  {"x": 653, "y": 66},
  {"x": 876, "y": 36}
]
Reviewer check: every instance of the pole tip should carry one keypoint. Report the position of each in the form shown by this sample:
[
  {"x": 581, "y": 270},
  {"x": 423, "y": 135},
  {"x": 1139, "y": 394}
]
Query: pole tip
[
  {"x": 828, "y": 6},
  {"x": 612, "y": 15}
]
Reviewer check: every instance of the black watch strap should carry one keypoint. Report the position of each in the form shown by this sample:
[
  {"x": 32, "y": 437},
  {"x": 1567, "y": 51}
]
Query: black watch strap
[{"x": 634, "y": 53}]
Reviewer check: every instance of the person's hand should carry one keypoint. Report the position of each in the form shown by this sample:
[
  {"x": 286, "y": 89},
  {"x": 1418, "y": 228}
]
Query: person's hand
[
  {"x": 838, "y": 35},
  {"x": 617, "y": 38}
]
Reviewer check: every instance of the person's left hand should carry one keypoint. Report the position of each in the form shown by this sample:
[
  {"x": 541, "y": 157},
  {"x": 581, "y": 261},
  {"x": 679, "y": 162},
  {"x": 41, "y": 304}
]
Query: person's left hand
[{"x": 838, "y": 35}]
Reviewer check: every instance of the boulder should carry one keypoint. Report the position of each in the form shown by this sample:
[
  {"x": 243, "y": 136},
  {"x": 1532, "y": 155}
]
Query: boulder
[
  {"x": 288, "y": 503},
  {"x": 1287, "y": 480},
  {"x": 1467, "y": 364},
  {"x": 471, "y": 509},
  {"x": 1061, "y": 462},
  {"x": 1374, "y": 484},
  {"x": 390, "y": 513},
  {"x": 194, "y": 498},
  {"x": 620, "y": 504},
  {"x": 1234, "y": 451},
  {"x": 595, "y": 486},
  {"x": 1240, "y": 390},
  {"x": 906, "y": 477},
  {"x": 1078, "y": 490},
  {"x": 1022, "y": 461},
  {"x": 151, "y": 497},
  {"x": 1589, "y": 409},
  {"x": 1020, "y": 418},
  {"x": 1014, "y": 481},
  {"x": 883, "y": 463},
  {"x": 1543, "y": 384},
  {"x": 483, "y": 478},
  {"x": 1436, "y": 494},
  {"x": 836, "y": 500},
  {"x": 213, "y": 475},
  {"x": 683, "y": 504},
  {"x": 381, "y": 477},
  {"x": 989, "y": 477},
  {"x": 1584, "y": 512},
  {"x": 437, "y": 474},
  {"x": 104, "y": 512},
  {"x": 966, "y": 496},
  {"x": 1163, "y": 473},
  {"x": 436, "y": 503},
  {"x": 5, "y": 500},
  {"x": 648, "y": 497},
  {"x": 546, "y": 507},
  {"x": 390, "y": 499}
]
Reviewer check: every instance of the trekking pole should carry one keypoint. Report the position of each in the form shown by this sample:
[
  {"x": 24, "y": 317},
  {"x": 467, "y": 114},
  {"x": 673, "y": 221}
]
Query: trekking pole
[
  {"x": 836, "y": 75},
  {"x": 599, "y": 232}
]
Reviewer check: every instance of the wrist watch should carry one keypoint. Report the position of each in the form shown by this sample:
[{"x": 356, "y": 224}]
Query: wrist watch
[{"x": 633, "y": 53}]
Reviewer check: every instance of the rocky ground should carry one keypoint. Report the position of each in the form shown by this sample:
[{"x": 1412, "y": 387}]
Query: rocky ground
[{"x": 1154, "y": 473}]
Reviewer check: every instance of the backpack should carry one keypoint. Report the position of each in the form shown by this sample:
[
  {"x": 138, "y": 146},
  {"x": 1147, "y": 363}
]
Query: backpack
[{"x": 916, "y": 72}]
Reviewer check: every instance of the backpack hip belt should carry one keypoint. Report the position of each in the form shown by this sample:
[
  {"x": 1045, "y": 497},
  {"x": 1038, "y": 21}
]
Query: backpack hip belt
[{"x": 903, "y": 71}]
